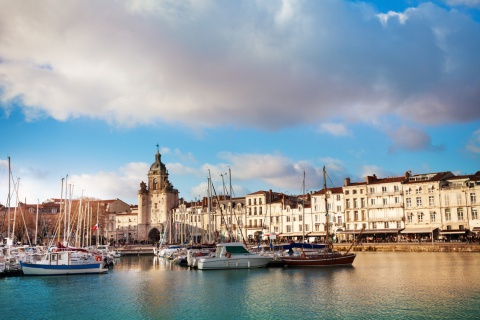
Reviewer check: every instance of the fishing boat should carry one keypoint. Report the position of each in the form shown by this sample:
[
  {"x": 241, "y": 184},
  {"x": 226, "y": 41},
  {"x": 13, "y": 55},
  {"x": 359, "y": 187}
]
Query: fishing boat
[
  {"x": 64, "y": 261},
  {"x": 326, "y": 257},
  {"x": 232, "y": 255}
]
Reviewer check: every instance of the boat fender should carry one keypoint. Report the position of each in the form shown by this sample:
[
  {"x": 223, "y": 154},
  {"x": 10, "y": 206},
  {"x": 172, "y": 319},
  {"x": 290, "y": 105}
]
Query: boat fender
[
  {"x": 98, "y": 258},
  {"x": 228, "y": 255}
]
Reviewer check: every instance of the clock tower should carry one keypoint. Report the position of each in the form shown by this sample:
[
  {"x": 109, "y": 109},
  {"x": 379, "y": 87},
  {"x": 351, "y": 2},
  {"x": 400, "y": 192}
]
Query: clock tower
[{"x": 156, "y": 199}]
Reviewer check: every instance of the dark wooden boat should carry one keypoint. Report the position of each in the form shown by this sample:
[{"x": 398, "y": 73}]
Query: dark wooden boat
[{"x": 327, "y": 259}]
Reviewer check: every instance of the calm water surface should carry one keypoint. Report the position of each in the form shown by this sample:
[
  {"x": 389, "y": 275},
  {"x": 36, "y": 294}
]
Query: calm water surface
[{"x": 378, "y": 286}]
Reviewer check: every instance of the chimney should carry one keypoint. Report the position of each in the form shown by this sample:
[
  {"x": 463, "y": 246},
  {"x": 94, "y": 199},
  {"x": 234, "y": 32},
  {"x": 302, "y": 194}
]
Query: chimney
[
  {"x": 407, "y": 174},
  {"x": 346, "y": 182}
]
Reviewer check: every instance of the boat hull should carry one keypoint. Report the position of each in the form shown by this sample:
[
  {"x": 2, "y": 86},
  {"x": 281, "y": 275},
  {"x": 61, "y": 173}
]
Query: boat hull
[
  {"x": 30, "y": 269},
  {"x": 243, "y": 262},
  {"x": 327, "y": 260}
]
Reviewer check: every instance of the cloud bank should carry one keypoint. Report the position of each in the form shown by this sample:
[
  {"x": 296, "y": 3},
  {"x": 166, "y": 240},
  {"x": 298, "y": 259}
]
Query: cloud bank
[{"x": 243, "y": 63}]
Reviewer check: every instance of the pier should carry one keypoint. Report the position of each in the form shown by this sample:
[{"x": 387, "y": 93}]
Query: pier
[
  {"x": 412, "y": 247},
  {"x": 136, "y": 250}
]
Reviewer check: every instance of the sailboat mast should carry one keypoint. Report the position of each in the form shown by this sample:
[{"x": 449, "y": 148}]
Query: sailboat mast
[
  {"x": 303, "y": 208},
  {"x": 231, "y": 204},
  {"x": 326, "y": 202},
  {"x": 8, "y": 198},
  {"x": 209, "y": 195},
  {"x": 60, "y": 215},
  {"x": 36, "y": 223}
]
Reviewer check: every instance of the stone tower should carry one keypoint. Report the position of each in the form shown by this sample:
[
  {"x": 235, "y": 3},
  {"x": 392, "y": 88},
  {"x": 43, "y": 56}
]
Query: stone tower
[{"x": 156, "y": 199}]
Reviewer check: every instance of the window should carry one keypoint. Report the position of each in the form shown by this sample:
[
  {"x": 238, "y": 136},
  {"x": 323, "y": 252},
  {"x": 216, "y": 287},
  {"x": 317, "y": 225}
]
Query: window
[
  {"x": 374, "y": 225},
  {"x": 260, "y": 210},
  {"x": 418, "y": 190},
  {"x": 420, "y": 217},
  {"x": 348, "y": 203},
  {"x": 384, "y": 189},
  {"x": 372, "y": 190},
  {"x": 255, "y": 211},
  {"x": 372, "y": 202},
  {"x": 430, "y": 189},
  {"x": 249, "y": 202},
  {"x": 433, "y": 217},
  {"x": 307, "y": 228},
  {"x": 460, "y": 214},
  {"x": 473, "y": 198},
  {"x": 339, "y": 208},
  {"x": 255, "y": 201},
  {"x": 385, "y": 201},
  {"x": 362, "y": 203},
  {"x": 317, "y": 227},
  {"x": 474, "y": 213},
  {"x": 397, "y": 200},
  {"x": 288, "y": 219},
  {"x": 408, "y": 191},
  {"x": 300, "y": 228},
  {"x": 356, "y": 215},
  {"x": 410, "y": 218},
  {"x": 447, "y": 200},
  {"x": 355, "y": 191},
  {"x": 399, "y": 225},
  {"x": 249, "y": 211},
  {"x": 396, "y": 188},
  {"x": 419, "y": 201},
  {"x": 408, "y": 202},
  {"x": 346, "y": 192},
  {"x": 260, "y": 201},
  {"x": 289, "y": 228},
  {"x": 431, "y": 201},
  {"x": 448, "y": 214},
  {"x": 300, "y": 218},
  {"x": 338, "y": 197},
  {"x": 355, "y": 203}
]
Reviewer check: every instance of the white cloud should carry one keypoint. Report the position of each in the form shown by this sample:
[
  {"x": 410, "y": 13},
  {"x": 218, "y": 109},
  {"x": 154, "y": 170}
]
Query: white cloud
[
  {"x": 335, "y": 129},
  {"x": 261, "y": 64},
  {"x": 474, "y": 143}
]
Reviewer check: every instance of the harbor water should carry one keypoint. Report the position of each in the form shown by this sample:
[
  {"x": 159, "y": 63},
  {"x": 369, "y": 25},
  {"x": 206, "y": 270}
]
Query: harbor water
[{"x": 380, "y": 285}]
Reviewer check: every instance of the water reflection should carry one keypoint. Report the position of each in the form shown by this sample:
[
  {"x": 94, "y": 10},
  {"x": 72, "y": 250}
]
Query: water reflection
[{"x": 379, "y": 285}]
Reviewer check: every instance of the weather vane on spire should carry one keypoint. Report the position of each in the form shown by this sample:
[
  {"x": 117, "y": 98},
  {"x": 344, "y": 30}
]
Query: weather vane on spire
[{"x": 158, "y": 148}]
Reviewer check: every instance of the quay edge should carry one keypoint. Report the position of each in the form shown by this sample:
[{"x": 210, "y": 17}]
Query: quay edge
[{"x": 410, "y": 247}]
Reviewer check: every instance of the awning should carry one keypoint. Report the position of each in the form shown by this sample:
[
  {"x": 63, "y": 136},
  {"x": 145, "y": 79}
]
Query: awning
[
  {"x": 379, "y": 231},
  {"x": 350, "y": 232},
  {"x": 293, "y": 234},
  {"x": 418, "y": 230},
  {"x": 268, "y": 234},
  {"x": 453, "y": 231},
  {"x": 476, "y": 229},
  {"x": 317, "y": 234}
]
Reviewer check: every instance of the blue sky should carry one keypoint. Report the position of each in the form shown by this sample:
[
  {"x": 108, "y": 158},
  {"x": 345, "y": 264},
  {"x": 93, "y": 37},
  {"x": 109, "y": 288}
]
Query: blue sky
[{"x": 267, "y": 89}]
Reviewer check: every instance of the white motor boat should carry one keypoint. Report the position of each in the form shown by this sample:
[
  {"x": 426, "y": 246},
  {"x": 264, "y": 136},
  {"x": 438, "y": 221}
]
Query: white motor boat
[{"x": 233, "y": 255}]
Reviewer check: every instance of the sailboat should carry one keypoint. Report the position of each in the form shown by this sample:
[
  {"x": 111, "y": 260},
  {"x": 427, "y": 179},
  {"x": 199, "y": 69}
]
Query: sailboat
[{"x": 326, "y": 258}]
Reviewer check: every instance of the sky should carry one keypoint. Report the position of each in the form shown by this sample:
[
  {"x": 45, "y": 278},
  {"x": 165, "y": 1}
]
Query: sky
[{"x": 259, "y": 93}]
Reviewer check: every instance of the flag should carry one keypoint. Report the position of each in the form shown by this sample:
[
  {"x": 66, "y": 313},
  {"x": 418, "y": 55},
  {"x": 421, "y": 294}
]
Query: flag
[{"x": 95, "y": 227}]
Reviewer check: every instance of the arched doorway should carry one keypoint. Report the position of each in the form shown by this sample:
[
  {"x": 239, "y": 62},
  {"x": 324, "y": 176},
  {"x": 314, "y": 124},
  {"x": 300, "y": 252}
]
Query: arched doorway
[{"x": 154, "y": 235}]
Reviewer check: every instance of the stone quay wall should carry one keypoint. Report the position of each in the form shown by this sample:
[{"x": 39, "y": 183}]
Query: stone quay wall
[{"x": 411, "y": 247}]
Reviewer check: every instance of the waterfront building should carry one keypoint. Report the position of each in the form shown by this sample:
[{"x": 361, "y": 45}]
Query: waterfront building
[
  {"x": 336, "y": 215},
  {"x": 384, "y": 202},
  {"x": 422, "y": 208},
  {"x": 355, "y": 206}
]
